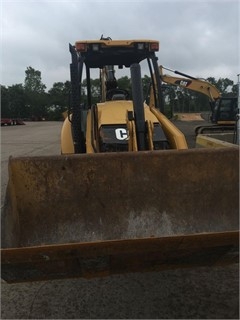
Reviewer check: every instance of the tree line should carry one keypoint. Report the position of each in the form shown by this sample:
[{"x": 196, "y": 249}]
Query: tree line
[{"x": 32, "y": 101}]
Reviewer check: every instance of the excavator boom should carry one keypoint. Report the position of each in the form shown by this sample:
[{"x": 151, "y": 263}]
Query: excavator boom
[{"x": 191, "y": 83}]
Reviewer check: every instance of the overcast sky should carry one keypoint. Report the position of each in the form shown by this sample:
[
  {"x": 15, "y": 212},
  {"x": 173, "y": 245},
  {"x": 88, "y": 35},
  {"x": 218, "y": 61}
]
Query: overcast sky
[{"x": 200, "y": 38}]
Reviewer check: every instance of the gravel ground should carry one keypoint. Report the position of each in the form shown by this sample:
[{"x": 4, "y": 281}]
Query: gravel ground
[
  {"x": 187, "y": 127},
  {"x": 200, "y": 293}
]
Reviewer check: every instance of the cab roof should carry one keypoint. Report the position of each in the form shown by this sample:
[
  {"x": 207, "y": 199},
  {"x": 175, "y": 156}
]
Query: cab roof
[{"x": 99, "y": 53}]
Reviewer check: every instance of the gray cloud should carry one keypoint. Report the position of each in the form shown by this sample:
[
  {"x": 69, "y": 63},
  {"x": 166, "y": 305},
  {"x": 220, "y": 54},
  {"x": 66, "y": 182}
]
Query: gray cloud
[{"x": 196, "y": 37}]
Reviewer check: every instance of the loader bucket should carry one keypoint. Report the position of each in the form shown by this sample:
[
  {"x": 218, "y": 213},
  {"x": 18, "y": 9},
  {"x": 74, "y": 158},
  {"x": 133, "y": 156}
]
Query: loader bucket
[{"x": 98, "y": 214}]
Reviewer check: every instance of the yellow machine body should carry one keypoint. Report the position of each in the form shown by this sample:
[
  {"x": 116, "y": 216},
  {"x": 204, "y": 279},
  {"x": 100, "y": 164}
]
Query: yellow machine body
[
  {"x": 115, "y": 113},
  {"x": 115, "y": 207}
]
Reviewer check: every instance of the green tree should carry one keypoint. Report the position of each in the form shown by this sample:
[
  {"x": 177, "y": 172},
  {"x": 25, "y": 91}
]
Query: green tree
[
  {"x": 5, "y": 112},
  {"x": 58, "y": 100},
  {"x": 36, "y": 98},
  {"x": 234, "y": 91},
  {"x": 169, "y": 100},
  {"x": 16, "y": 101},
  {"x": 212, "y": 80},
  {"x": 13, "y": 101},
  {"x": 125, "y": 84},
  {"x": 146, "y": 80},
  {"x": 223, "y": 85},
  {"x": 95, "y": 90},
  {"x": 33, "y": 81}
]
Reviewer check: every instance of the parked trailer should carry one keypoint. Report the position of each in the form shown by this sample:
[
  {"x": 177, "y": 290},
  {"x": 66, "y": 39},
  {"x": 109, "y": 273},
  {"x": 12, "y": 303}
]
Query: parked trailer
[
  {"x": 6, "y": 122},
  {"x": 10, "y": 121}
]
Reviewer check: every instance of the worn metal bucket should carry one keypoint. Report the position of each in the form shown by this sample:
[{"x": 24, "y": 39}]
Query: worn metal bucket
[{"x": 98, "y": 214}]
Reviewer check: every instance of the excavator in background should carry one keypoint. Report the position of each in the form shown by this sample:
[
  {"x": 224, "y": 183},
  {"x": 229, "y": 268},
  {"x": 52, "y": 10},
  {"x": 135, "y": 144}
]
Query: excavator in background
[
  {"x": 224, "y": 110},
  {"x": 125, "y": 194}
]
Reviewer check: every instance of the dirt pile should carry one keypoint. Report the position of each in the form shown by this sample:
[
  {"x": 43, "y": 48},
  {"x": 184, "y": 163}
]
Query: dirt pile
[{"x": 189, "y": 116}]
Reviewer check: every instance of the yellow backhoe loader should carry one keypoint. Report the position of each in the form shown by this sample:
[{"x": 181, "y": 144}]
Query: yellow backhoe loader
[
  {"x": 224, "y": 110},
  {"x": 125, "y": 194}
]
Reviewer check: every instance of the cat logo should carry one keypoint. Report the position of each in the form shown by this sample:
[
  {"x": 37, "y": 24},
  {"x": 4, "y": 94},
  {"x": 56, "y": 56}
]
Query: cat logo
[
  {"x": 183, "y": 83},
  {"x": 121, "y": 134}
]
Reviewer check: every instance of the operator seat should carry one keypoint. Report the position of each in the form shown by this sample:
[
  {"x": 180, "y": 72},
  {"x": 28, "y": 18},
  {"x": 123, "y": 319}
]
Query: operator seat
[{"x": 117, "y": 94}]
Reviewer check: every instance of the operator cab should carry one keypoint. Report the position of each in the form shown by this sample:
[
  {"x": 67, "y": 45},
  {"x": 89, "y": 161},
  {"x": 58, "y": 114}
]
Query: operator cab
[
  {"x": 225, "y": 110},
  {"x": 104, "y": 55}
]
